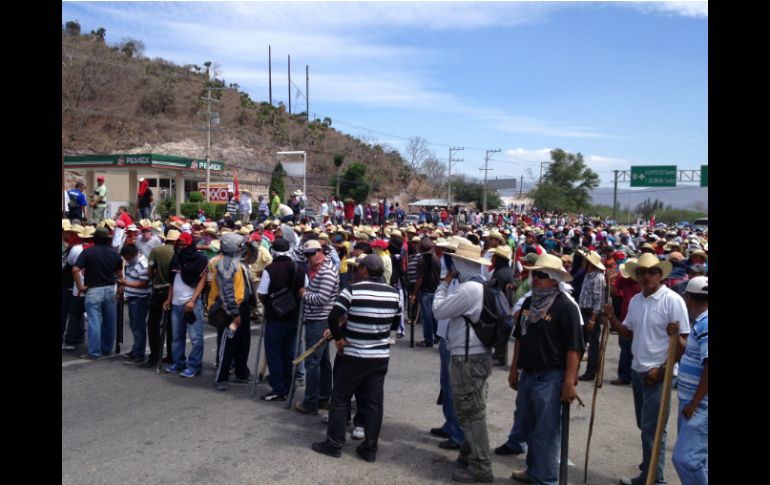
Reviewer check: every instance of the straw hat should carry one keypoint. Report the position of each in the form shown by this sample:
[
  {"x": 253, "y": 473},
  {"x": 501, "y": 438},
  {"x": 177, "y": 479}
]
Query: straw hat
[
  {"x": 211, "y": 231},
  {"x": 411, "y": 229},
  {"x": 215, "y": 245},
  {"x": 467, "y": 251},
  {"x": 77, "y": 228},
  {"x": 416, "y": 239},
  {"x": 65, "y": 224},
  {"x": 596, "y": 260},
  {"x": 242, "y": 231},
  {"x": 109, "y": 222},
  {"x": 623, "y": 271},
  {"x": 173, "y": 235},
  {"x": 87, "y": 232},
  {"x": 503, "y": 251},
  {"x": 552, "y": 264},
  {"x": 700, "y": 253},
  {"x": 249, "y": 227},
  {"x": 323, "y": 235},
  {"x": 648, "y": 260},
  {"x": 157, "y": 225},
  {"x": 494, "y": 234}
]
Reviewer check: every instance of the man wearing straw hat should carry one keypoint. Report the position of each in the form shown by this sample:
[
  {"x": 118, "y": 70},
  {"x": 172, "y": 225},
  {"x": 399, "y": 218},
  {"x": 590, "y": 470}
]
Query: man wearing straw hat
[
  {"x": 593, "y": 295},
  {"x": 79, "y": 239},
  {"x": 245, "y": 206},
  {"x": 470, "y": 360},
  {"x": 549, "y": 341},
  {"x": 649, "y": 314}
]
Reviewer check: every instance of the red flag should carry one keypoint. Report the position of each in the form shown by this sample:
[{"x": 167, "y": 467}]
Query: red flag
[
  {"x": 237, "y": 192},
  {"x": 652, "y": 221}
]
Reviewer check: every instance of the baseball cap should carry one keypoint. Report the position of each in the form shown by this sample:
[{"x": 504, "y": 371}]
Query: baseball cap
[
  {"x": 311, "y": 247},
  {"x": 698, "y": 285}
]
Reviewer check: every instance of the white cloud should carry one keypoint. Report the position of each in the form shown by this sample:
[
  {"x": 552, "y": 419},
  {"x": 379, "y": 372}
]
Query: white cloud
[{"x": 684, "y": 9}]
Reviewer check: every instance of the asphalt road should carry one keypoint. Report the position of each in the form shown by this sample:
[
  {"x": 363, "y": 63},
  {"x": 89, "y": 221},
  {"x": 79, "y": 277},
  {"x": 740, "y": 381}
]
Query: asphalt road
[{"x": 125, "y": 425}]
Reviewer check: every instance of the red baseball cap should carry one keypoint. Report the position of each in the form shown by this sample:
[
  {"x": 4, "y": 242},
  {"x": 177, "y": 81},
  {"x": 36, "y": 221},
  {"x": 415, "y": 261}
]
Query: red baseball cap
[
  {"x": 100, "y": 177},
  {"x": 185, "y": 237}
]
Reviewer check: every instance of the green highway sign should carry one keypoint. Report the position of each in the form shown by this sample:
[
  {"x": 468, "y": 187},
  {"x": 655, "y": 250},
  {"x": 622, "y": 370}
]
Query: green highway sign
[
  {"x": 653, "y": 176},
  {"x": 704, "y": 175}
]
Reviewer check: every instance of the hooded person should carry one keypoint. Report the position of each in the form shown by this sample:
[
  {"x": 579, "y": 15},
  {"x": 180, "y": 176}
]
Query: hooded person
[
  {"x": 470, "y": 361},
  {"x": 549, "y": 342},
  {"x": 230, "y": 293},
  {"x": 188, "y": 272},
  {"x": 144, "y": 198}
]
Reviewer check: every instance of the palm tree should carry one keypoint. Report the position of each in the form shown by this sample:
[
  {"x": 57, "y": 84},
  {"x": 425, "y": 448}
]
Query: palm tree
[{"x": 338, "y": 158}]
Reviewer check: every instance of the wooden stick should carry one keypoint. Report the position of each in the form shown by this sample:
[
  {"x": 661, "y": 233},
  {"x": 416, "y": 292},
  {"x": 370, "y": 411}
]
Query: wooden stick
[
  {"x": 665, "y": 399},
  {"x": 312, "y": 349}
]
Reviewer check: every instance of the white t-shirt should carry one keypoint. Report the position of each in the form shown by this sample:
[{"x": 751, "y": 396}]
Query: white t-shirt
[
  {"x": 324, "y": 209},
  {"x": 264, "y": 283},
  {"x": 285, "y": 210},
  {"x": 648, "y": 318},
  {"x": 182, "y": 292},
  {"x": 72, "y": 257}
]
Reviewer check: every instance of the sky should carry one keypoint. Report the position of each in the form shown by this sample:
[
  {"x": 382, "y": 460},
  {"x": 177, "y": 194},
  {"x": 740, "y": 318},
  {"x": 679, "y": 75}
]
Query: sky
[{"x": 623, "y": 83}]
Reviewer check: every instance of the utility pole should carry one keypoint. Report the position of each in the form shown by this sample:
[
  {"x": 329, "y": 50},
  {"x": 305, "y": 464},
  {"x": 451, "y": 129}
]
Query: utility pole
[
  {"x": 486, "y": 170},
  {"x": 542, "y": 164},
  {"x": 270, "y": 73},
  {"x": 208, "y": 150},
  {"x": 289, "y": 85},
  {"x": 307, "y": 92},
  {"x": 521, "y": 186},
  {"x": 449, "y": 178},
  {"x": 615, "y": 196}
]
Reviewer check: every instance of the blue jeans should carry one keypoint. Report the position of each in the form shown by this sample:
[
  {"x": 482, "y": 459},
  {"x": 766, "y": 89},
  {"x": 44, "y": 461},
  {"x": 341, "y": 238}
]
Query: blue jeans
[
  {"x": 691, "y": 451},
  {"x": 345, "y": 280},
  {"x": 102, "y": 310},
  {"x": 647, "y": 406},
  {"x": 626, "y": 357},
  {"x": 280, "y": 339},
  {"x": 451, "y": 424},
  {"x": 429, "y": 324},
  {"x": 540, "y": 394},
  {"x": 137, "y": 320},
  {"x": 318, "y": 367},
  {"x": 144, "y": 212},
  {"x": 180, "y": 329},
  {"x": 516, "y": 440}
]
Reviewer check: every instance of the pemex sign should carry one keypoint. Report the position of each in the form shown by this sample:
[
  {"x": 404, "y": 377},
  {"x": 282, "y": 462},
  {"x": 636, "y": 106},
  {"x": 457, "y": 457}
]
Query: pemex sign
[{"x": 653, "y": 176}]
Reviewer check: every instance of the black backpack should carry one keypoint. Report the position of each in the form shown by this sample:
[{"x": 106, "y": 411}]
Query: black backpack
[{"x": 495, "y": 319}]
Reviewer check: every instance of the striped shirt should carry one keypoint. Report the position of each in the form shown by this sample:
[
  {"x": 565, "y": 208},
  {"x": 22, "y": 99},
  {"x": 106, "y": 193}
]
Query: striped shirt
[
  {"x": 593, "y": 292},
  {"x": 412, "y": 267},
  {"x": 136, "y": 273},
  {"x": 691, "y": 364},
  {"x": 372, "y": 308},
  {"x": 321, "y": 292}
]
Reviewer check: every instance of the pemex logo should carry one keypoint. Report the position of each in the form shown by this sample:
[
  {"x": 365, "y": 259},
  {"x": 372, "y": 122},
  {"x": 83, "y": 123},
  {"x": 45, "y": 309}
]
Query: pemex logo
[
  {"x": 194, "y": 164},
  {"x": 121, "y": 161}
]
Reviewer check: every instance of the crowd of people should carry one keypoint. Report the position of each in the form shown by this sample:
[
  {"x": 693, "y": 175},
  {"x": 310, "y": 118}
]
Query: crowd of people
[{"x": 359, "y": 273}]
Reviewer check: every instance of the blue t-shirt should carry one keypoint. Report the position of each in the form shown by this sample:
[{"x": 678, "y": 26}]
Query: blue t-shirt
[
  {"x": 77, "y": 196},
  {"x": 691, "y": 364}
]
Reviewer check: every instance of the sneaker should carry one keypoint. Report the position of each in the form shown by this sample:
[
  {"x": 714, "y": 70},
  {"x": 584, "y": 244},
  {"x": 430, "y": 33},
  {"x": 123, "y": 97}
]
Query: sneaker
[
  {"x": 504, "y": 449},
  {"x": 272, "y": 396},
  {"x": 439, "y": 432},
  {"x": 244, "y": 380},
  {"x": 448, "y": 445},
  {"x": 172, "y": 369},
  {"x": 423, "y": 344},
  {"x": 135, "y": 361},
  {"x": 391, "y": 341},
  {"x": 400, "y": 335},
  {"x": 462, "y": 462},
  {"x": 325, "y": 448},
  {"x": 222, "y": 386},
  {"x": 302, "y": 409},
  {"x": 67, "y": 347},
  {"x": 619, "y": 382},
  {"x": 325, "y": 419},
  {"x": 129, "y": 356},
  {"x": 521, "y": 476},
  {"x": 586, "y": 377},
  {"x": 366, "y": 455},
  {"x": 90, "y": 357},
  {"x": 358, "y": 433},
  {"x": 189, "y": 373},
  {"x": 465, "y": 476}
]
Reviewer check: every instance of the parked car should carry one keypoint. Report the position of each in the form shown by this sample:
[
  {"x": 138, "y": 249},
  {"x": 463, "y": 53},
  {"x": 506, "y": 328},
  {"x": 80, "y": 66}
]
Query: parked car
[
  {"x": 702, "y": 223},
  {"x": 411, "y": 219}
]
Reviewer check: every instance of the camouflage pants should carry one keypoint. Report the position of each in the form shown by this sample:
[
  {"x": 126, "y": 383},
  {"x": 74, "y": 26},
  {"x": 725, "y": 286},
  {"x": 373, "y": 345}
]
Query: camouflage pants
[{"x": 469, "y": 391}]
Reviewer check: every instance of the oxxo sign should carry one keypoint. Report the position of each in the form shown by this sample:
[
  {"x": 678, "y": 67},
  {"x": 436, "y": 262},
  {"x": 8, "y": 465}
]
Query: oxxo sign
[{"x": 218, "y": 192}]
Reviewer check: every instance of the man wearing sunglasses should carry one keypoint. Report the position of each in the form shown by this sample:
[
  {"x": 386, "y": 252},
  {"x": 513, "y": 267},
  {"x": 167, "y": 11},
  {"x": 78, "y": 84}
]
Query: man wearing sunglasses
[
  {"x": 549, "y": 342},
  {"x": 649, "y": 314}
]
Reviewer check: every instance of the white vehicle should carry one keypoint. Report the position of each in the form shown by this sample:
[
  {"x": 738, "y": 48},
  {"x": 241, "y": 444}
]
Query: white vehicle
[{"x": 702, "y": 223}]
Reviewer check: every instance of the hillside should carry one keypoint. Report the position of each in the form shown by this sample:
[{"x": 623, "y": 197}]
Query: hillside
[{"x": 115, "y": 101}]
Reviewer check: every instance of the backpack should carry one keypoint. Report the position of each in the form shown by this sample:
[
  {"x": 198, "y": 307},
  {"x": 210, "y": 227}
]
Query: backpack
[{"x": 495, "y": 320}]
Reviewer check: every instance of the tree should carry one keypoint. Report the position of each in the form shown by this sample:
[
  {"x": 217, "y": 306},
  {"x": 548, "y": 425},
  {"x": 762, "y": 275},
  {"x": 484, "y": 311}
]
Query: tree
[
  {"x": 648, "y": 208},
  {"x": 415, "y": 153},
  {"x": 132, "y": 48},
  {"x": 471, "y": 191},
  {"x": 566, "y": 184},
  {"x": 276, "y": 182},
  {"x": 354, "y": 183},
  {"x": 72, "y": 27},
  {"x": 338, "y": 159},
  {"x": 99, "y": 34},
  {"x": 435, "y": 171}
]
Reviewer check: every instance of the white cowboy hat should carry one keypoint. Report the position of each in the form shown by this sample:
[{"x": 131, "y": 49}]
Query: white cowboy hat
[
  {"x": 648, "y": 260},
  {"x": 504, "y": 251},
  {"x": 467, "y": 251},
  {"x": 551, "y": 264},
  {"x": 623, "y": 271},
  {"x": 596, "y": 260}
]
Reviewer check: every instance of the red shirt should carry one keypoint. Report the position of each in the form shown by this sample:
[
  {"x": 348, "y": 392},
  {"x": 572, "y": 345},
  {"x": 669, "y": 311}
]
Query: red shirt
[
  {"x": 126, "y": 219},
  {"x": 626, "y": 288}
]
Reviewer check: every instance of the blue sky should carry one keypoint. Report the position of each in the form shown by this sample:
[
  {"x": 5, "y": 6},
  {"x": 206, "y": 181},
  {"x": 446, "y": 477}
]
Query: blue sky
[{"x": 623, "y": 83}]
